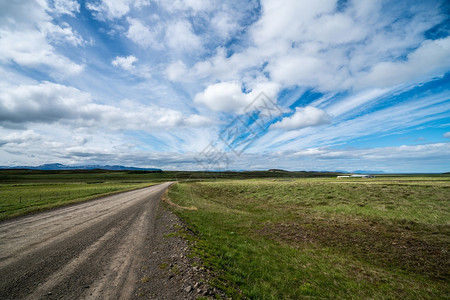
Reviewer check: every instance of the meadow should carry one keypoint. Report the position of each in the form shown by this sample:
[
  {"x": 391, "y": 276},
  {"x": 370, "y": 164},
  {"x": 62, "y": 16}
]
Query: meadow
[
  {"x": 20, "y": 199},
  {"x": 23, "y": 191},
  {"x": 287, "y": 238},
  {"x": 27, "y": 191}
]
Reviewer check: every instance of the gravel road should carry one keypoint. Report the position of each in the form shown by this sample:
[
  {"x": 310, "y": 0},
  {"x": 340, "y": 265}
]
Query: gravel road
[{"x": 92, "y": 250}]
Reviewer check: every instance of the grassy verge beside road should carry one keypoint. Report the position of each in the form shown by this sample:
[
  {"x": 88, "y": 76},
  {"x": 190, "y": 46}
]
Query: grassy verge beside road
[
  {"x": 20, "y": 199},
  {"x": 323, "y": 238}
]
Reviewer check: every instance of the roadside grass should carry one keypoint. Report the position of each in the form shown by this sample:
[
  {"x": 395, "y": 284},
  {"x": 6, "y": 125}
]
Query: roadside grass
[
  {"x": 20, "y": 199},
  {"x": 382, "y": 238}
]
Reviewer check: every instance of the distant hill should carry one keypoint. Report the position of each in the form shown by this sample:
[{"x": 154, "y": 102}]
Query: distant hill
[
  {"x": 83, "y": 167},
  {"x": 368, "y": 172},
  {"x": 277, "y": 170}
]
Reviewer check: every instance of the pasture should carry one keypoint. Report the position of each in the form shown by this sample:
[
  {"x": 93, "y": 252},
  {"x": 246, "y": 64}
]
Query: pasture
[
  {"x": 272, "y": 238},
  {"x": 23, "y": 192}
]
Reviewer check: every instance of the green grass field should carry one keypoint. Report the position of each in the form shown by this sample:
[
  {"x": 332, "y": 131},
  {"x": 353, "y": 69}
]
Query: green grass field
[
  {"x": 20, "y": 199},
  {"x": 382, "y": 238},
  {"x": 26, "y": 191}
]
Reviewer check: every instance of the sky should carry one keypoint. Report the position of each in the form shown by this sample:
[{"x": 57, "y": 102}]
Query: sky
[{"x": 226, "y": 85}]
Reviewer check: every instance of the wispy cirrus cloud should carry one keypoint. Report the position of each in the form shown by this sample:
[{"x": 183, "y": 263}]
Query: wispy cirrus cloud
[{"x": 88, "y": 81}]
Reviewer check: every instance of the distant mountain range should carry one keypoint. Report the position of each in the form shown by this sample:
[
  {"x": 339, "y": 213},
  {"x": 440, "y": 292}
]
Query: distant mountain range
[
  {"x": 85, "y": 167},
  {"x": 57, "y": 166},
  {"x": 360, "y": 172},
  {"x": 368, "y": 172}
]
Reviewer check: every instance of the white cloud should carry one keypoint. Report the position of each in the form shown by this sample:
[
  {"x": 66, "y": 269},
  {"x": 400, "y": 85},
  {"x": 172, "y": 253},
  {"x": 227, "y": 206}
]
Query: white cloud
[
  {"x": 141, "y": 3},
  {"x": 124, "y": 62},
  {"x": 176, "y": 71},
  {"x": 80, "y": 140},
  {"x": 229, "y": 97},
  {"x": 296, "y": 69},
  {"x": 223, "y": 55},
  {"x": 303, "y": 117},
  {"x": 403, "y": 152},
  {"x": 30, "y": 49},
  {"x": 21, "y": 137},
  {"x": 224, "y": 24},
  {"x": 390, "y": 120},
  {"x": 286, "y": 20},
  {"x": 141, "y": 34},
  {"x": 49, "y": 103},
  {"x": 114, "y": 9},
  {"x": 336, "y": 28},
  {"x": 224, "y": 96},
  {"x": 181, "y": 37},
  {"x": 61, "y": 34},
  {"x": 432, "y": 58},
  {"x": 351, "y": 104},
  {"x": 46, "y": 102},
  {"x": 68, "y": 7},
  {"x": 183, "y": 5},
  {"x": 27, "y": 35},
  {"x": 446, "y": 135},
  {"x": 313, "y": 45}
]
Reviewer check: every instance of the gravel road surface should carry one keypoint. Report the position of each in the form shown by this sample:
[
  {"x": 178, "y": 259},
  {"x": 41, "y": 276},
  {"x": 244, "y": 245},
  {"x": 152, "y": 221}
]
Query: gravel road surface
[{"x": 92, "y": 250}]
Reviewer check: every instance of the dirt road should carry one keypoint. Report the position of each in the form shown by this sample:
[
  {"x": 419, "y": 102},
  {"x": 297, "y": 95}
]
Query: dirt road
[{"x": 87, "y": 251}]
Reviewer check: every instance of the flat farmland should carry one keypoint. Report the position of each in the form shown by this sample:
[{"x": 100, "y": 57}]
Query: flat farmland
[
  {"x": 27, "y": 191},
  {"x": 386, "y": 237},
  {"x": 23, "y": 192},
  {"x": 20, "y": 199}
]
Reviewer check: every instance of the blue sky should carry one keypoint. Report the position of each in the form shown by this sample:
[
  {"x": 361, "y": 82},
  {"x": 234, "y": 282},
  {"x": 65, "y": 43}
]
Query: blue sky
[{"x": 206, "y": 84}]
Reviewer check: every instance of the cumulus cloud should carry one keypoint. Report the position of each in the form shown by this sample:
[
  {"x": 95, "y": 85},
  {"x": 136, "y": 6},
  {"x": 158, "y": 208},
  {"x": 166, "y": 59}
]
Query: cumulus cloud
[
  {"x": 303, "y": 117},
  {"x": 286, "y": 20},
  {"x": 21, "y": 137},
  {"x": 124, "y": 62},
  {"x": 68, "y": 7},
  {"x": 224, "y": 96},
  {"x": 176, "y": 71},
  {"x": 297, "y": 69},
  {"x": 335, "y": 29},
  {"x": 183, "y": 5},
  {"x": 224, "y": 24},
  {"x": 54, "y": 103},
  {"x": 80, "y": 140},
  {"x": 46, "y": 102},
  {"x": 431, "y": 58},
  {"x": 114, "y": 9},
  {"x": 229, "y": 96},
  {"x": 139, "y": 33},
  {"x": 367, "y": 59},
  {"x": 318, "y": 45},
  {"x": 62, "y": 33},
  {"x": 180, "y": 36},
  {"x": 27, "y": 37},
  {"x": 31, "y": 49}
]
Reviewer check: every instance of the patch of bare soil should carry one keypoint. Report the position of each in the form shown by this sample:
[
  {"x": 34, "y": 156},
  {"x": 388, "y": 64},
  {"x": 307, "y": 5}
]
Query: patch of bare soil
[
  {"x": 169, "y": 271},
  {"x": 424, "y": 252}
]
